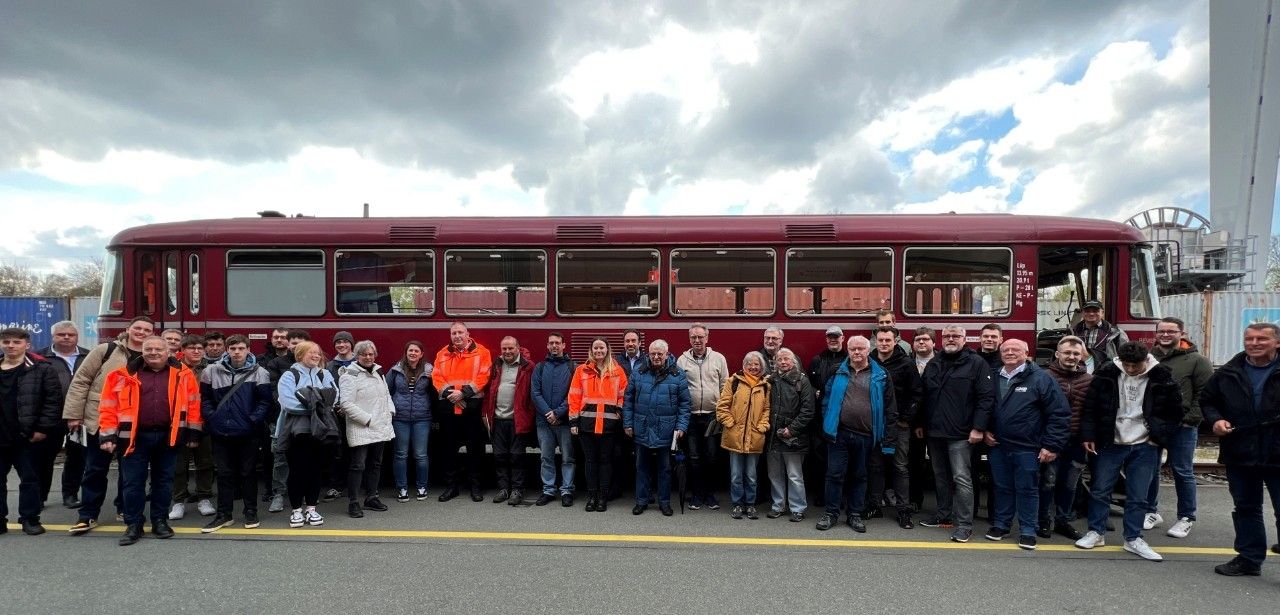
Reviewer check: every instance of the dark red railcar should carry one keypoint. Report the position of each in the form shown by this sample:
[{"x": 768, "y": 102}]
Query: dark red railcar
[{"x": 395, "y": 279}]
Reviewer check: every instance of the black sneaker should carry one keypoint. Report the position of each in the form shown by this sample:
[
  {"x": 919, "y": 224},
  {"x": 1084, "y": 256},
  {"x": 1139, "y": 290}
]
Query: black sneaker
[
  {"x": 996, "y": 533},
  {"x": 797, "y": 517},
  {"x": 1044, "y": 532},
  {"x": 374, "y": 503},
  {"x": 32, "y": 527},
  {"x": 448, "y": 494},
  {"x": 330, "y": 495},
  {"x": 1238, "y": 567},
  {"x": 825, "y": 522},
  {"x": 251, "y": 519},
  {"x": 516, "y": 499},
  {"x": 500, "y": 496},
  {"x": 904, "y": 520},
  {"x": 937, "y": 521},
  {"x": 402, "y": 496},
  {"x": 545, "y": 499},
  {"x": 566, "y": 501},
  {"x": 774, "y": 514},
  {"x": 218, "y": 523},
  {"x": 1027, "y": 542},
  {"x": 875, "y": 513},
  {"x": 751, "y": 513},
  {"x": 736, "y": 513},
  {"x": 354, "y": 511},
  {"x": 961, "y": 534},
  {"x": 1275, "y": 548},
  {"x": 132, "y": 534},
  {"x": 666, "y": 510},
  {"x": 856, "y": 524}
]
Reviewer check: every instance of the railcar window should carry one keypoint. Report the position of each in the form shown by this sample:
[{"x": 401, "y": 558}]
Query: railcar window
[
  {"x": 112, "y": 285},
  {"x": 490, "y": 282},
  {"x": 275, "y": 283},
  {"x": 171, "y": 283},
  {"x": 722, "y": 282},
  {"x": 607, "y": 282},
  {"x": 846, "y": 281},
  {"x": 193, "y": 276},
  {"x": 1142, "y": 284},
  {"x": 147, "y": 277},
  {"x": 958, "y": 281},
  {"x": 384, "y": 282}
]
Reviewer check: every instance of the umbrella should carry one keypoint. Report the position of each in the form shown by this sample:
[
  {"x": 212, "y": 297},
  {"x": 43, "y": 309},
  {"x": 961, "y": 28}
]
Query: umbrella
[{"x": 678, "y": 469}]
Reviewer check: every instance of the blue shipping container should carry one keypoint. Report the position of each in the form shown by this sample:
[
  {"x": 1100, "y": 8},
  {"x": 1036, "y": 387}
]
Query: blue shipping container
[{"x": 34, "y": 314}]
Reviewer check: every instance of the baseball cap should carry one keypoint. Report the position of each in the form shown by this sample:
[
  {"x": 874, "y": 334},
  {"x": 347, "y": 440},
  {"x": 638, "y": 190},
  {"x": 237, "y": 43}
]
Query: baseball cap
[
  {"x": 834, "y": 330},
  {"x": 1091, "y": 304}
]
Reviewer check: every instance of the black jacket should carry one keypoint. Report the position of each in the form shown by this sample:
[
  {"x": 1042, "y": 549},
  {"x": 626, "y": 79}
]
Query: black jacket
[
  {"x": 992, "y": 358},
  {"x": 1034, "y": 414},
  {"x": 1228, "y": 396},
  {"x": 60, "y": 366},
  {"x": 906, "y": 382},
  {"x": 823, "y": 366},
  {"x": 1161, "y": 405},
  {"x": 959, "y": 395},
  {"x": 35, "y": 405},
  {"x": 791, "y": 405}
]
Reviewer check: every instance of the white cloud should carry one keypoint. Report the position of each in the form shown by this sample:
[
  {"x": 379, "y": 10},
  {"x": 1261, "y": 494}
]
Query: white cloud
[
  {"x": 778, "y": 192},
  {"x": 983, "y": 199},
  {"x": 932, "y": 171},
  {"x": 676, "y": 63}
]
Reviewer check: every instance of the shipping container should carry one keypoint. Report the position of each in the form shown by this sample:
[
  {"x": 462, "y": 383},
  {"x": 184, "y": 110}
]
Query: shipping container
[
  {"x": 84, "y": 312},
  {"x": 1216, "y": 320},
  {"x": 34, "y": 314}
]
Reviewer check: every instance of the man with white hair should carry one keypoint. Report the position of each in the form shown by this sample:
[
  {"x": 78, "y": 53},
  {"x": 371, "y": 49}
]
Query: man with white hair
[
  {"x": 66, "y": 355},
  {"x": 772, "y": 342},
  {"x": 655, "y": 412},
  {"x": 958, "y": 397}
]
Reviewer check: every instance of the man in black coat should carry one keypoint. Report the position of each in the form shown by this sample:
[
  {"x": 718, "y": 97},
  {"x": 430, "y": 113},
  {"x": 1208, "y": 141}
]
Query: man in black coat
[
  {"x": 1133, "y": 405},
  {"x": 65, "y": 355},
  {"x": 1242, "y": 403},
  {"x": 959, "y": 394},
  {"x": 906, "y": 390},
  {"x": 30, "y": 409},
  {"x": 821, "y": 368}
]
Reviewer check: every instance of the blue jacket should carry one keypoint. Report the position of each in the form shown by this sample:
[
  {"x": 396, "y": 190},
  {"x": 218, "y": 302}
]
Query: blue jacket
[
  {"x": 551, "y": 380},
  {"x": 1034, "y": 414},
  {"x": 656, "y": 404},
  {"x": 884, "y": 410},
  {"x": 288, "y": 386},
  {"x": 412, "y": 404},
  {"x": 243, "y": 414}
]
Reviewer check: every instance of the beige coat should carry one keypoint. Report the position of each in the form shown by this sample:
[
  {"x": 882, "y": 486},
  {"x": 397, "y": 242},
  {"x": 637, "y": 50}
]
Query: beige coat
[
  {"x": 86, "y": 385},
  {"x": 744, "y": 411}
]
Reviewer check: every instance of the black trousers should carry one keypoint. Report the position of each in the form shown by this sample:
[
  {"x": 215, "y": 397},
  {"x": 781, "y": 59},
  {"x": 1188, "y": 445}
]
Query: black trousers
[
  {"x": 73, "y": 466},
  {"x": 597, "y": 459},
  {"x": 364, "y": 471},
  {"x": 459, "y": 430},
  {"x": 235, "y": 460},
  {"x": 508, "y": 452},
  {"x": 25, "y": 458},
  {"x": 306, "y": 457},
  {"x": 702, "y": 450}
]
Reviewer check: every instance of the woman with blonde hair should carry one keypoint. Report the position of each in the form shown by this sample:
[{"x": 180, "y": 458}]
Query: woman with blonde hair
[
  {"x": 306, "y": 379},
  {"x": 743, "y": 410},
  {"x": 595, "y": 416}
]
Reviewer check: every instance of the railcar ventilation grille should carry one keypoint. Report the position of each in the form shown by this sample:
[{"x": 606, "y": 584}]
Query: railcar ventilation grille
[
  {"x": 811, "y": 232},
  {"x": 411, "y": 234},
  {"x": 580, "y": 232}
]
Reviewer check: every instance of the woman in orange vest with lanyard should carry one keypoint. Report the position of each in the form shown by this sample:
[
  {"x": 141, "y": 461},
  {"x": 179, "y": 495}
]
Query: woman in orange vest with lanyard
[{"x": 595, "y": 416}]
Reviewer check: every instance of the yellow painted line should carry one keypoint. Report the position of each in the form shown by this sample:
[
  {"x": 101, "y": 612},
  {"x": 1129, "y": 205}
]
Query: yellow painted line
[{"x": 979, "y": 544}]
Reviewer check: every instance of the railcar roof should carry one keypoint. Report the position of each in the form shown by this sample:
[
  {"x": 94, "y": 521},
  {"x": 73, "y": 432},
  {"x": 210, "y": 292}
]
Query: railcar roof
[{"x": 639, "y": 230}]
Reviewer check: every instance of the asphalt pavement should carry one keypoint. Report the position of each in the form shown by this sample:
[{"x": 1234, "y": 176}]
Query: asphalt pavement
[{"x": 470, "y": 557}]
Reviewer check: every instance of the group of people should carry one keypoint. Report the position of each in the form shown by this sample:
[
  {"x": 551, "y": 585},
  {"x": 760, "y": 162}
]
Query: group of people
[{"x": 852, "y": 430}]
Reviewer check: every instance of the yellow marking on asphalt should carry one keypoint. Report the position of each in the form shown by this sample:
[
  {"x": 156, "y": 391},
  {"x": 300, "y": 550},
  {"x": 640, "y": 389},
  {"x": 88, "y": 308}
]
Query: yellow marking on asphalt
[{"x": 983, "y": 545}]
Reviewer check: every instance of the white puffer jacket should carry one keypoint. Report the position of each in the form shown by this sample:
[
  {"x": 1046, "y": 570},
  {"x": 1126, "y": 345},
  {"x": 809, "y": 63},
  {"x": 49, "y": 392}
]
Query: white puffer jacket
[{"x": 364, "y": 400}]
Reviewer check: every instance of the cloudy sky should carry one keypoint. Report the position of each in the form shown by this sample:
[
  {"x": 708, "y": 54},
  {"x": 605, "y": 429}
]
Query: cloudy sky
[{"x": 112, "y": 117}]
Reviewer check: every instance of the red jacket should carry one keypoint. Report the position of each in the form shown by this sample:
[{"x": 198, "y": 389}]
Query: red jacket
[{"x": 523, "y": 404}]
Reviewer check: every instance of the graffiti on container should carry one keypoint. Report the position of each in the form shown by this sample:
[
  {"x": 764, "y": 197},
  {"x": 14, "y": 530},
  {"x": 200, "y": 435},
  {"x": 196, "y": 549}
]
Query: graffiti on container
[{"x": 33, "y": 328}]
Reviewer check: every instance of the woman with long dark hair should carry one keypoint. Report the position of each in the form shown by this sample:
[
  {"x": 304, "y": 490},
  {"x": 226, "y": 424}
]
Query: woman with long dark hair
[{"x": 409, "y": 381}]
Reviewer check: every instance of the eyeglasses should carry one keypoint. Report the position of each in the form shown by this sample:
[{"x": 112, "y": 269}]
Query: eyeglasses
[
  {"x": 952, "y": 336},
  {"x": 1167, "y": 332}
]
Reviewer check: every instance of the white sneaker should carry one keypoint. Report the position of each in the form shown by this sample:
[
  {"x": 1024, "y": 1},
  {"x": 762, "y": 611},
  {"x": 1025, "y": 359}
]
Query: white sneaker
[
  {"x": 1152, "y": 521},
  {"x": 314, "y": 518},
  {"x": 1139, "y": 547},
  {"x": 178, "y": 511},
  {"x": 206, "y": 508},
  {"x": 1181, "y": 528},
  {"x": 296, "y": 519},
  {"x": 1090, "y": 540}
]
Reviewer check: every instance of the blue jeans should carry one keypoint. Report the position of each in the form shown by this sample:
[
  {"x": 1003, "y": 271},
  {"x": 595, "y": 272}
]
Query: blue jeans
[
  {"x": 1246, "y": 483},
  {"x": 847, "y": 455},
  {"x": 661, "y": 459},
  {"x": 1016, "y": 474},
  {"x": 952, "y": 479},
  {"x": 1139, "y": 462},
  {"x": 411, "y": 435},
  {"x": 1058, "y": 482},
  {"x": 1182, "y": 450},
  {"x": 742, "y": 478},
  {"x": 549, "y": 436},
  {"x": 152, "y": 456},
  {"x": 786, "y": 470}
]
